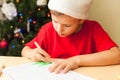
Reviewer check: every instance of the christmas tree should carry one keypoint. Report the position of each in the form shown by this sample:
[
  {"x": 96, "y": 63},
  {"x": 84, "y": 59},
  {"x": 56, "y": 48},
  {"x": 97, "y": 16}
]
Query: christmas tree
[{"x": 23, "y": 20}]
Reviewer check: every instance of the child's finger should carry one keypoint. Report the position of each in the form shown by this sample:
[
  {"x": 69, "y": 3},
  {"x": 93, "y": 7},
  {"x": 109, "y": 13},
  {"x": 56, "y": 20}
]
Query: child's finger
[
  {"x": 42, "y": 52},
  {"x": 40, "y": 57},
  {"x": 1, "y": 67}
]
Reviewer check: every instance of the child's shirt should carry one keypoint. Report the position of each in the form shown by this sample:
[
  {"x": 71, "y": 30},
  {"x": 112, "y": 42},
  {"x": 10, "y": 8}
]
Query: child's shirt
[{"x": 90, "y": 39}]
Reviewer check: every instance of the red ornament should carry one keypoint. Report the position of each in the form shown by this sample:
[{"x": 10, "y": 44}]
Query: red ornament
[
  {"x": 20, "y": 20},
  {"x": 3, "y": 44}
]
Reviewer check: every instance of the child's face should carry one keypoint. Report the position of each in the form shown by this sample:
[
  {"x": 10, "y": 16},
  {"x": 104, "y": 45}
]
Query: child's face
[{"x": 65, "y": 25}]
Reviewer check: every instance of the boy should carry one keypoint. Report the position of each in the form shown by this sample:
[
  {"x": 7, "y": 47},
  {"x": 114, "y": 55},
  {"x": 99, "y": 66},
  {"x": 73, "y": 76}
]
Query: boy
[{"x": 71, "y": 40}]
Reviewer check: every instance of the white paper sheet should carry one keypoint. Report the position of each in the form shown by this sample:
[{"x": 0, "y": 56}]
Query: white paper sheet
[{"x": 39, "y": 71}]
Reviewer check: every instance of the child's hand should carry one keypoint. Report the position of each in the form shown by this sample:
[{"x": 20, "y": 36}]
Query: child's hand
[
  {"x": 39, "y": 55},
  {"x": 63, "y": 65},
  {"x": 1, "y": 67}
]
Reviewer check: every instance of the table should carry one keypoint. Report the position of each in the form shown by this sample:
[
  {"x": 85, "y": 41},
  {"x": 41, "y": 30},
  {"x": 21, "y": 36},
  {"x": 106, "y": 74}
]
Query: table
[{"x": 99, "y": 73}]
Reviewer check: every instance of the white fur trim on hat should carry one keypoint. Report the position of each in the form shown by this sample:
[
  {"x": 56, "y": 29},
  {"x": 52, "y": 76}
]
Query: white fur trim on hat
[{"x": 74, "y": 8}]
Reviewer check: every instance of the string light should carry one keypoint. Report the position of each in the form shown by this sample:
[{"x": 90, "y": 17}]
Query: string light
[
  {"x": 20, "y": 14},
  {"x": 17, "y": 1},
  {"x": 30, "y": 20},
  {"x": 20, "y": 20},
  {"x": 16, "y": 35},
  {"x": 48, "y": 14},
  {"x": 39, "y": 9},
  {"x": 13, "y": 46},
  {"x": 21, "y": 17},
  {"x": 23, "y": 41},
  {"x": 34, "y": 22},
  {"x": 11, "y": 27}
]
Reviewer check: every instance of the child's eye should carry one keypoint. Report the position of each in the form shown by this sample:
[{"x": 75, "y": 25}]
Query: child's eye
[
  {"x": 55, "y": 22},
  {"x": 67, "y": 25}
]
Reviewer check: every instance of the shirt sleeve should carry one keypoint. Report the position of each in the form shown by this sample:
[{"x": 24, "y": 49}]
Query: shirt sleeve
[
  {"x": 101, "y": 38},
  {"x": 39, "y": 38}
]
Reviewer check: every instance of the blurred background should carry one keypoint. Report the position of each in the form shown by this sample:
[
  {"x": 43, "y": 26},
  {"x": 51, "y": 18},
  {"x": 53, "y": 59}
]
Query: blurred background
[
  {"x": 107, "y": 13},
  {"x": 20, "y": 20}
]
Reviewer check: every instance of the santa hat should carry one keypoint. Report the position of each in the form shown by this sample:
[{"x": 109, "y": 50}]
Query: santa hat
[{"x": 74, "y": 8}]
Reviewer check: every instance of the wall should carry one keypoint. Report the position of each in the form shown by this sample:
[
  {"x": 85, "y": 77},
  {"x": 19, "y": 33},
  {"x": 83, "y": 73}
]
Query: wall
[
  {"x": 1, "y": 14},
  {"x": 107, "y": 13}
]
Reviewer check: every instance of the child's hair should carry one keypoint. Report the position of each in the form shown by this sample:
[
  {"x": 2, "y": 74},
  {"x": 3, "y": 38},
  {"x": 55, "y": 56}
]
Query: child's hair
[{"x": 56, "y": 13}]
